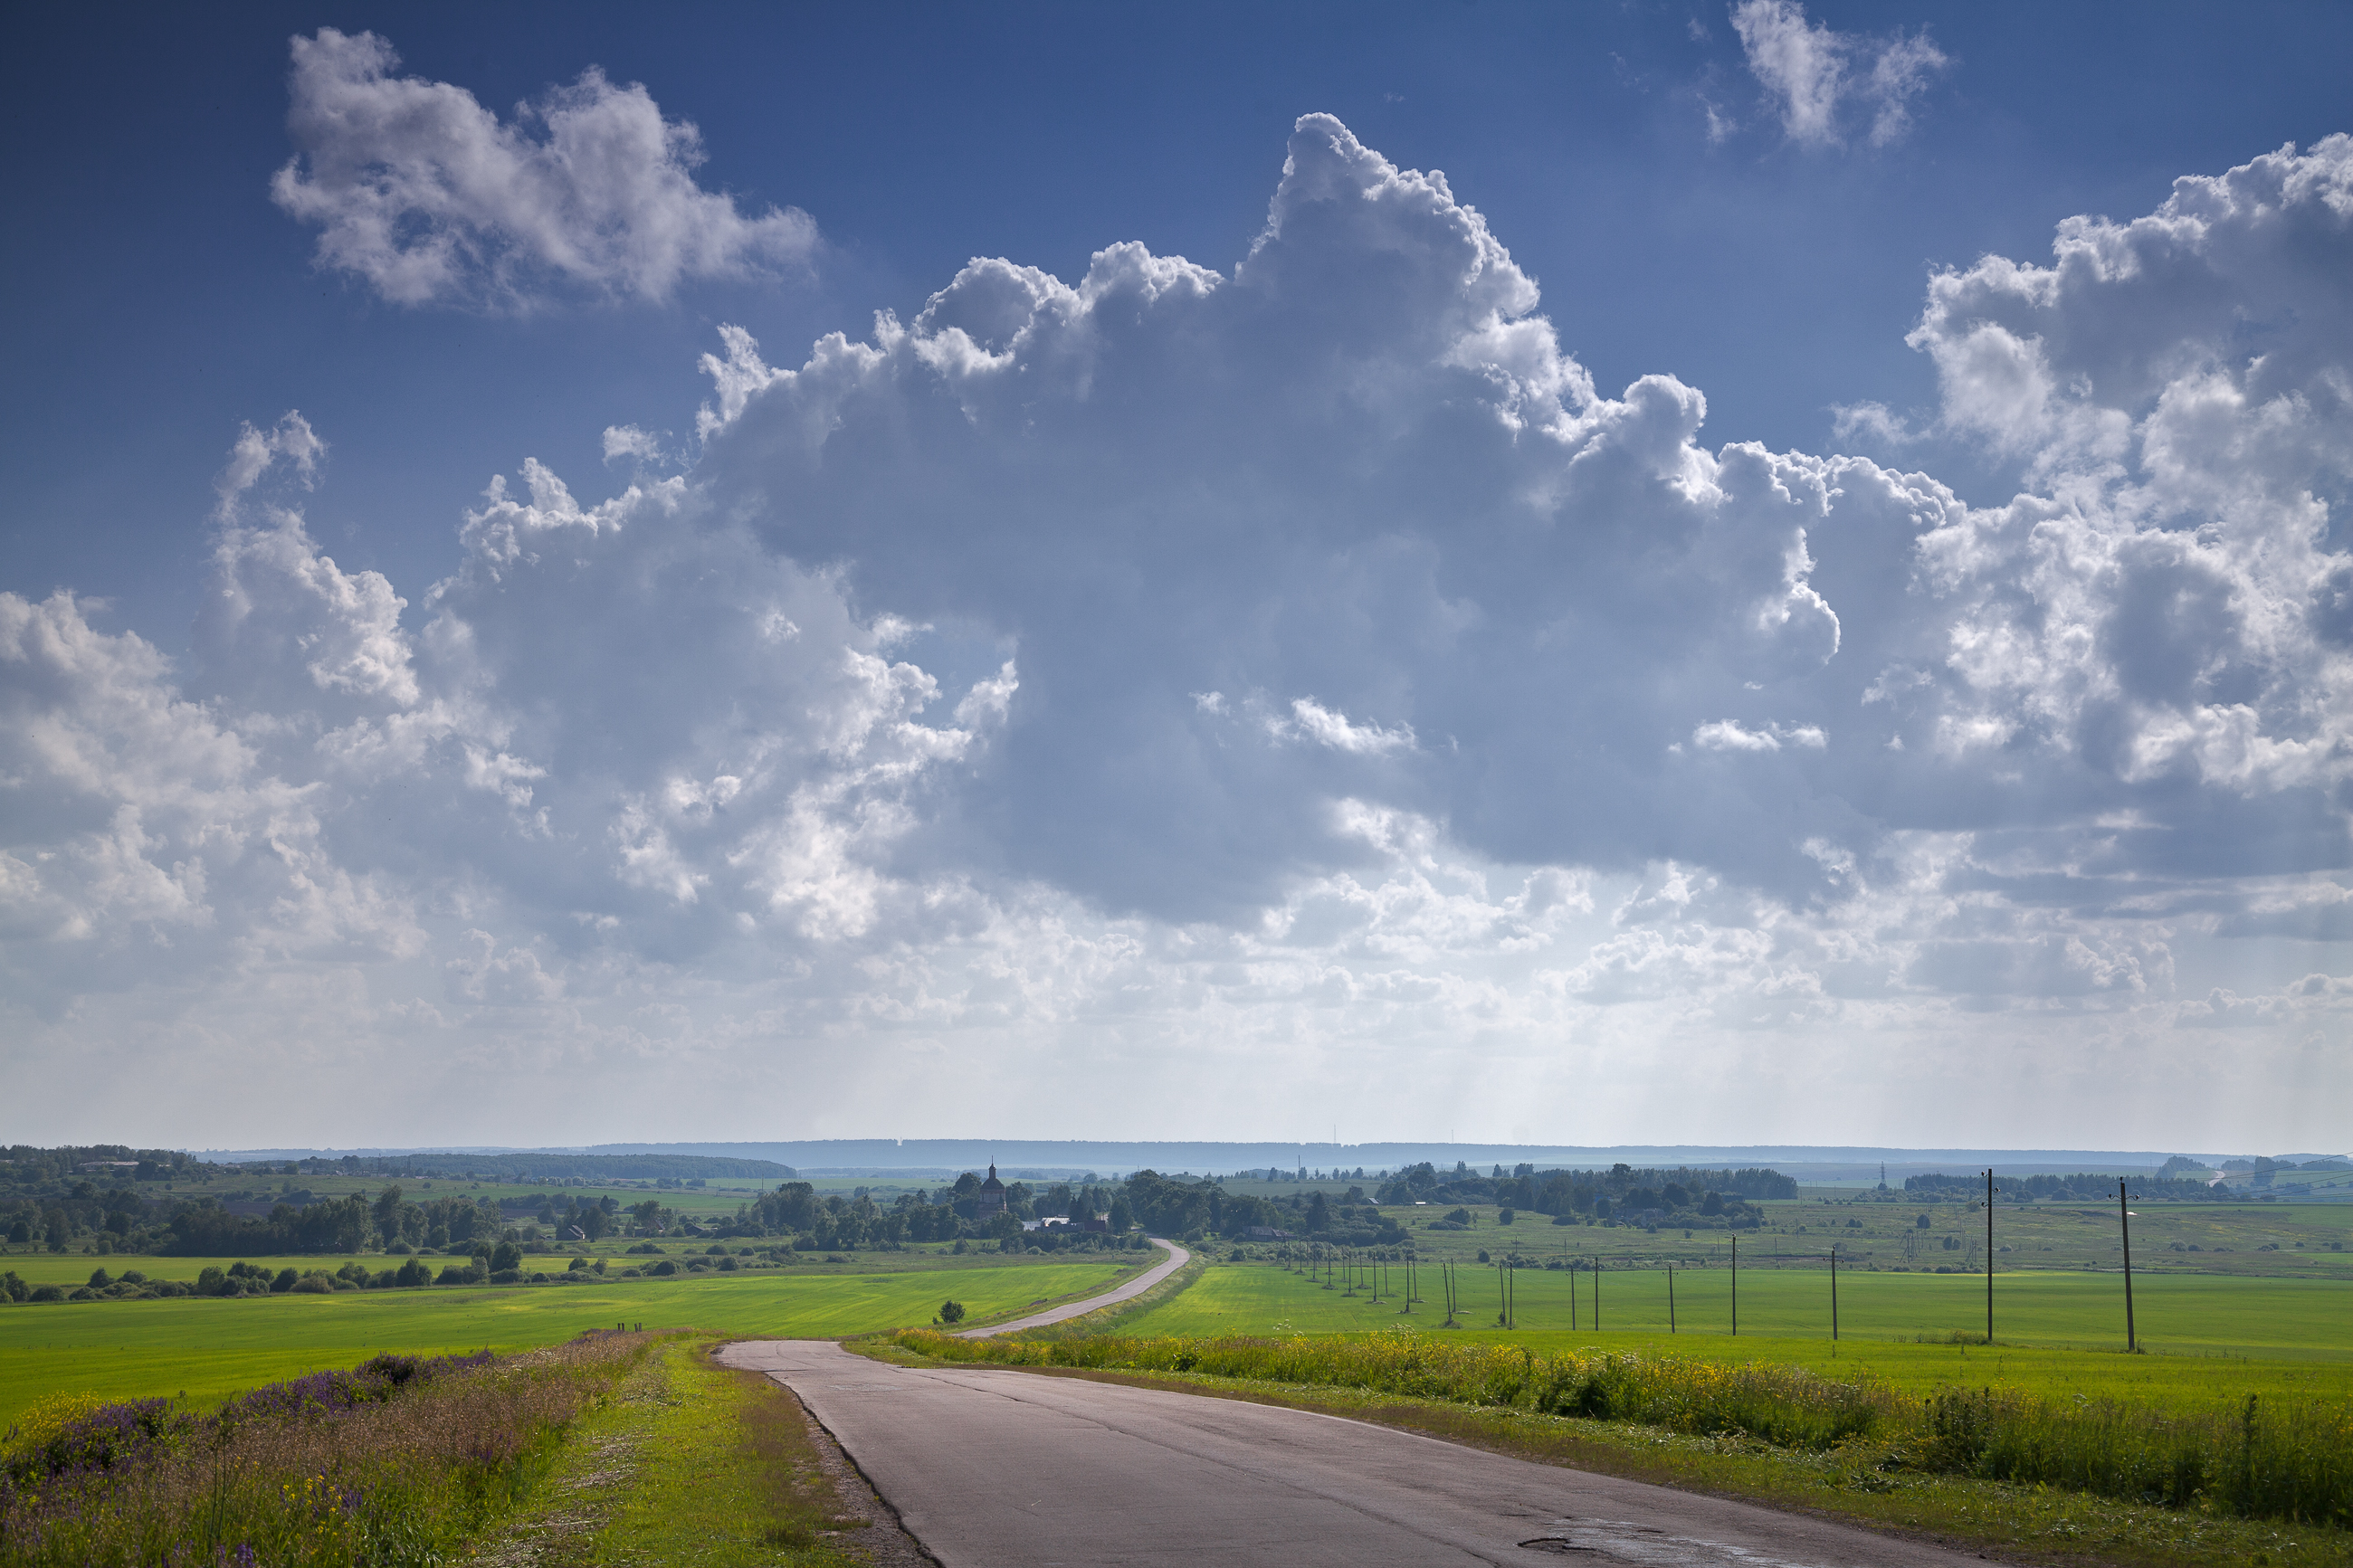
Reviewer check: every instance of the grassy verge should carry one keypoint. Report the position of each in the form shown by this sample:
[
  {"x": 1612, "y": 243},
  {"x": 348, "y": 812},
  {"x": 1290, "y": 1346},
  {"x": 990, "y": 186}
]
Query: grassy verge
[
  {"x": 1853, "y": 1477},
  {"x": 723, "y": 1473}
]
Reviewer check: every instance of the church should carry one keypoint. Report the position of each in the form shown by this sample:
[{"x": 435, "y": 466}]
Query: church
[{"x": 990, "y": 1199}]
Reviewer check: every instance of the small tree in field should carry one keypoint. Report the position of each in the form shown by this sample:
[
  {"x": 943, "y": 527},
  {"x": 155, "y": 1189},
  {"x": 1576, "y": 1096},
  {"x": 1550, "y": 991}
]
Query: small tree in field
[{"x": 950, "y": 1312}]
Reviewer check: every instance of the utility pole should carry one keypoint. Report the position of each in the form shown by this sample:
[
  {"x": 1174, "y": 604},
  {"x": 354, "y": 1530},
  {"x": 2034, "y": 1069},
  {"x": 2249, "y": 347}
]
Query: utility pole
[
  {"x": 1597, "y": 1292},
  {"x": 1572, "y": 1290},
  {"x": 1735, "y": 1284},
  {"x": 1833, "y": 1292},
  {"x": 1671, "y": 1298},
  {"x": 2124, "y": 1225},
  {"x": 1990, "y": 1191}
]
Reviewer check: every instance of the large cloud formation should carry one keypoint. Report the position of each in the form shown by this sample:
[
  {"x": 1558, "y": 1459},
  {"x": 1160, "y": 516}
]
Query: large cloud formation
[{"x": 1300, "y": 676}]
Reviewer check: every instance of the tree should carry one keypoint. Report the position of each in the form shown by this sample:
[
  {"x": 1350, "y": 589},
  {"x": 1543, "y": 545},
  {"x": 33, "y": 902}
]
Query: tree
[
  {"x": 950, "y": 1312},
  {"x": 388, "y": 1214}
]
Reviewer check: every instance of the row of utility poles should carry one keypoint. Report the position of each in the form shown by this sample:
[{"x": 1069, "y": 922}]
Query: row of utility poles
[{"x": 1343, "y": 1270}]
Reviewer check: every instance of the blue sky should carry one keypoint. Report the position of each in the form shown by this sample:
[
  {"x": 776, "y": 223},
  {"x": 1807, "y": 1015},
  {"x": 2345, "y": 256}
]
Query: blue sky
[{"x": 1346, "y": 665}]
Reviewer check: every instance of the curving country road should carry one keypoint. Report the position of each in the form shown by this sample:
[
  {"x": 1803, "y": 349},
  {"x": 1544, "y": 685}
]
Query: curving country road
[
  {"x": 1177, "y": 1258},
  {"x": 993, "y": 1467}
]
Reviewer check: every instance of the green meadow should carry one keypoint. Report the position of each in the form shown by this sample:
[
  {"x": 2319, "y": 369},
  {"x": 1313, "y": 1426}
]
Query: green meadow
[
  {"x": 2178, "y": 1316},
  {"x": 74, "y": 1267},
  {"x": 207, "y": 1348},
  {"x": 2312, "y": 1240}
]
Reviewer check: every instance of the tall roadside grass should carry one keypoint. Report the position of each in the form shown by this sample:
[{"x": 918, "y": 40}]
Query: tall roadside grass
[
  {"x": 2284, "y": 1460},
  {"x": 394, "y": 1462}
]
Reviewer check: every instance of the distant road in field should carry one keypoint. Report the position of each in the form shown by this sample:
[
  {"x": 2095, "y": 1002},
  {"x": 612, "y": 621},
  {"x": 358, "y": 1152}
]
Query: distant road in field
[
  {"x": 1177, "y": 1258},
  {"x": 991, "y": 1467}
]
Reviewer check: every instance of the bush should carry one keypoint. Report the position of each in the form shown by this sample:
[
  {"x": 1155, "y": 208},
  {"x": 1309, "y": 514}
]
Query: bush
[
  {"x": 665, "y": 1266},
  {"x": 950, "y": 1312},
  {"x": 48, "y": 1293}
]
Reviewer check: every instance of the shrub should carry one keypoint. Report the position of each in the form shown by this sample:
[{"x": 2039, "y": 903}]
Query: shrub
[{"x": 667, "y": 1266}]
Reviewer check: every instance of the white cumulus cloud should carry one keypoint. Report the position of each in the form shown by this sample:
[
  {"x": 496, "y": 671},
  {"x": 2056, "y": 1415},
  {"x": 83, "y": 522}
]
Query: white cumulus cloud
[
  {"x": 1296, "y": 670},
  {"x": 428, "y": 197}
]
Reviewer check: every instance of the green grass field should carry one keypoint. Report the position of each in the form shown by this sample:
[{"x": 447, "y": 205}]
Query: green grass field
[
  {"x": 2287, "y": 1240},
  {"x": 74, "y": 1267},
  {"x": 2179, "y": 1315},
  {"x": 207, "y": 1349}
]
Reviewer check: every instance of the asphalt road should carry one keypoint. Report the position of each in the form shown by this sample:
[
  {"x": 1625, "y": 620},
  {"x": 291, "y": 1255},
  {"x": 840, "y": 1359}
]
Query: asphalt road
[
  {"x": 991, "y": 1467},
  {"x": 1177, "y": 1259}
]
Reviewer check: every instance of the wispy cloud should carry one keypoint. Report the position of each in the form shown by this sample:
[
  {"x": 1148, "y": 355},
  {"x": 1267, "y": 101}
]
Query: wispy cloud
[{"x": 1820, "y": 79}]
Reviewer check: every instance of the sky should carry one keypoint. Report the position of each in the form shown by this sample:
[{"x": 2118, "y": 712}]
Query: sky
[{"x": 1672, "y": 573}]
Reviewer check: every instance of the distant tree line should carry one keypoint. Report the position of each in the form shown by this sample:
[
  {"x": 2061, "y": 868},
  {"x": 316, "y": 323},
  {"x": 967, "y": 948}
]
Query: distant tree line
[
  {"x": 543, "y": 1167},
  {"x": 55, "y": 1197},
  {"x": 2081, "y": 1187},
  {"x": 1681, "y": 1195}
]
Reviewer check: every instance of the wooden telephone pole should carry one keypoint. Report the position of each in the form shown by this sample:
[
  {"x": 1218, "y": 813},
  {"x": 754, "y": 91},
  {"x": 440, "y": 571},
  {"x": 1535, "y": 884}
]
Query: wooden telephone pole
[
  {"x": 1990, "y": 1192},
  {"x": 2123, "y": 1225}
]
